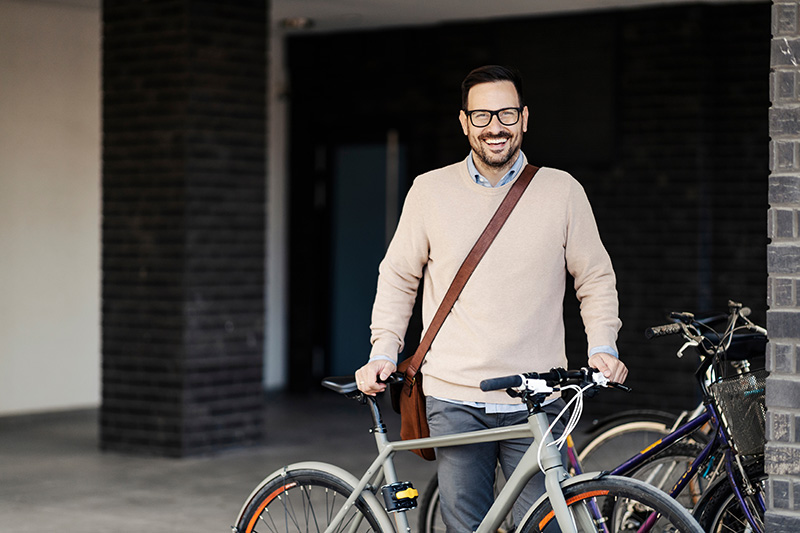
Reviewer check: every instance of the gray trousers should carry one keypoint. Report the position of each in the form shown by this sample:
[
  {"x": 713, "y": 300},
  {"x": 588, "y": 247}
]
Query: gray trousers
[{"x": 467, "y": 473}]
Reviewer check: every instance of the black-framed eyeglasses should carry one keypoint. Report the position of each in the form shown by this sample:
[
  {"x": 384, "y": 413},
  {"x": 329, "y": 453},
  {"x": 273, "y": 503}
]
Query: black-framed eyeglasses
[{"x": 480, "y": 118}]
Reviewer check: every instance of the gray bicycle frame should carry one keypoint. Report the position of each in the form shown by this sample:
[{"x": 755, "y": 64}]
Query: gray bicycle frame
[{"x": 536, "y": 426}]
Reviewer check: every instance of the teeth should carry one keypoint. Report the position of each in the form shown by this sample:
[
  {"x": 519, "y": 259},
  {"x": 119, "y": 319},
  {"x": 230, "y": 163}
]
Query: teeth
[{"x": 495, "y": 141}]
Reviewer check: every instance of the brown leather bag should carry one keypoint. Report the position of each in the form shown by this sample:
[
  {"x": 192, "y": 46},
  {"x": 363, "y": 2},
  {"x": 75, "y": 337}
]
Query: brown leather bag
[{"x": 408, "y": 398}]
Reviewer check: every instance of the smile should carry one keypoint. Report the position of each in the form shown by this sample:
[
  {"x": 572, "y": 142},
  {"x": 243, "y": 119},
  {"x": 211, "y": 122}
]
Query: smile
[{"x": 496, "y": 141}]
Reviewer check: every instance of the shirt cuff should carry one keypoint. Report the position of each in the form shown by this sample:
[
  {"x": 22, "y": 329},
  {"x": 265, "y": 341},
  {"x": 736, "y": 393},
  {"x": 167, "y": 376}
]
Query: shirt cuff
[
  {"x": 604, "y": 349},
  {"x": 382, "y": 358}
]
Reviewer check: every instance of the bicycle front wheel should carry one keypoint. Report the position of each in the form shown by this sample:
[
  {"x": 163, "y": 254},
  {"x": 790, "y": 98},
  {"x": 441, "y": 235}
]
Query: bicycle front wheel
[
  {"x": 614, "y": 504},
  {"x": 722, "y": 511},
  {"x": 305, "y": 501}
]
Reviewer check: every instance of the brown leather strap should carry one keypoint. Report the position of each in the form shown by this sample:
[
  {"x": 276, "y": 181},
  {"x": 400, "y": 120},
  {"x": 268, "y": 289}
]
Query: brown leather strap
[{"x": 468, "y": 266}]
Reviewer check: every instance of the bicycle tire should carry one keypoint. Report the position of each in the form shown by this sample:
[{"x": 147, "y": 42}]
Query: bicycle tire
[
  {"x": 304, "y": 500},
  {"x": 430, "y": 516},
  {"x": 620, "y": 442},
  {"x": 626, "y": 435},
  {"x": 626, "y": 503},
  {"x": 665, "y": 469},
  {"x": 720, "y": 511}
]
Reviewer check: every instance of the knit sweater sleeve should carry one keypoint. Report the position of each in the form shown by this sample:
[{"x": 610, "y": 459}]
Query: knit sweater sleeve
[
  {"x": 590, "y": 265},
  {"x": 399, "y": 275}
]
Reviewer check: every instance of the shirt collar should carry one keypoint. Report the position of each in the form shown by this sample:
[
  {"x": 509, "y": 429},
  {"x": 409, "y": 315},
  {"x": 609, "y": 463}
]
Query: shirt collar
[{"x": 481, "y": 180}]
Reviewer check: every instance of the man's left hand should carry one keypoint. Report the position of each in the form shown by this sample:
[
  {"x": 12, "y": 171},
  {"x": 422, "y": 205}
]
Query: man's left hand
[{"x": 610, "y": 366}]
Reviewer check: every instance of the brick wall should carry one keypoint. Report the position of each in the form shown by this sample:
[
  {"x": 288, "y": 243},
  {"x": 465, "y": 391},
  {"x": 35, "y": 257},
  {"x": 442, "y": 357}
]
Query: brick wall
[
  {"x": 783, "y": 252},
  {"x": 183, "y": 225},
  {"x": 682, "y": 210}
]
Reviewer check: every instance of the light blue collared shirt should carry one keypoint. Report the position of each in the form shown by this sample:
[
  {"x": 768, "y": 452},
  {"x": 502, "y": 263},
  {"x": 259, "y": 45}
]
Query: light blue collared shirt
[{"x": 481, "y": 180}]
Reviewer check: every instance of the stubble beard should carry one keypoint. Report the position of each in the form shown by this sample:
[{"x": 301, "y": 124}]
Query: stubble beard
[{"x": 492, "y": 160}]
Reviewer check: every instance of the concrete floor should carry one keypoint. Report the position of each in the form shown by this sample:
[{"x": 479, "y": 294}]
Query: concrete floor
[{"x": 54, "y": 478}]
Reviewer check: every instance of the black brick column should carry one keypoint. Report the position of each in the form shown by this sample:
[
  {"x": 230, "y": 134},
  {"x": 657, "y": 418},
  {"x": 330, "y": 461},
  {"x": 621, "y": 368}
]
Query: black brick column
[
  {"x": 783, "y": 263},
  {"x": 184, "y": 122}
]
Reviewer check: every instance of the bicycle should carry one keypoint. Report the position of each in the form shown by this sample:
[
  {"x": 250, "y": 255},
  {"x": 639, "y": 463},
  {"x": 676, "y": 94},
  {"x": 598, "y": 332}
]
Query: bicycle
[
  {"x": 731, "y": 461},
  {"x": 322, "y": 497},
  {"x": 634, "y": 432},
  {"x": 618, "y": 437},
  {"x": 664, "y": 465}
]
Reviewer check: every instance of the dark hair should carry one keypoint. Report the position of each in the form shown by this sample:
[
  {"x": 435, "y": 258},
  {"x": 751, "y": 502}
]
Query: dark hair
[{"x": 488, "y": 74}]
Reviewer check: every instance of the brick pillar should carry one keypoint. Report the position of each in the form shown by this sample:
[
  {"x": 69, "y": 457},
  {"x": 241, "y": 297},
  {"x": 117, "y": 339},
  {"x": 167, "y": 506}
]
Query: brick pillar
[
  {"x": 184, "y": 121},
  {"x": 783, "y": 256}
]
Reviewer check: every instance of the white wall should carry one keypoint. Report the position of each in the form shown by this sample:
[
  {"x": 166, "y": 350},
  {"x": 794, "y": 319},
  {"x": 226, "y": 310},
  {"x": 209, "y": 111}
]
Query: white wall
[
  {"x": 49, "y": 205},
  {"x": 277, "y": 279}
]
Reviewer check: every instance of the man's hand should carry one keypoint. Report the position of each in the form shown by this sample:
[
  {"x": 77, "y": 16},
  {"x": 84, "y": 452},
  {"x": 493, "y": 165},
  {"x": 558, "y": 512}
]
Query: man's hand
[
  {"x": 610, "y": 366},
  {"x": 367, "y": 376}
]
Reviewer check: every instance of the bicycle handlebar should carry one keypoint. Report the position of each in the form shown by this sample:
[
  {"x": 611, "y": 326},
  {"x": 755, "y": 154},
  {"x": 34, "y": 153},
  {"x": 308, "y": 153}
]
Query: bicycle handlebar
[
  {"x": 740, "y": 340},
  {"x": 505, "y": 382},
  {"x": 660, "y": 331},
  {"x": 556, "y": 377}
]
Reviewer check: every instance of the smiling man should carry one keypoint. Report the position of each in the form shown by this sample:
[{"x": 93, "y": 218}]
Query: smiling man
[
  {"x": 509, "y": 317},
  {"x": 495, "y": 136}
]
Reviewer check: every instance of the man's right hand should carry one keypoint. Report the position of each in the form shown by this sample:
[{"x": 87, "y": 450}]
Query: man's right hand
[{"x": 367, "y": 376}]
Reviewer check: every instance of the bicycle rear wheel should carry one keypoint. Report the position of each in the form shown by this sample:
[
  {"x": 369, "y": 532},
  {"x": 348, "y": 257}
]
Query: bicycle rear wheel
[
  {"x": 621, "y": 441},
  {"x": 664, "y": 470},
  {"x": 614, "y": 504},
  {"x": 430, "y": 516},
  {"x": 305, "y": 501}
]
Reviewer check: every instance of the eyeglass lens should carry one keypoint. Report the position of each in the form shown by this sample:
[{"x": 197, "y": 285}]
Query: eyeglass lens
[{"x": 482, "y": 117}]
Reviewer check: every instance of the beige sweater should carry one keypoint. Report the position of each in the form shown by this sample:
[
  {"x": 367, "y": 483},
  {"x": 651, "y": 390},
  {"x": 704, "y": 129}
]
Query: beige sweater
[{"x": 509, "y": 317}]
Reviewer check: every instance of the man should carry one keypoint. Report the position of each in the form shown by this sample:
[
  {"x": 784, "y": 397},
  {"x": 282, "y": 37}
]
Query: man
[{"x": 509, "y": 317}]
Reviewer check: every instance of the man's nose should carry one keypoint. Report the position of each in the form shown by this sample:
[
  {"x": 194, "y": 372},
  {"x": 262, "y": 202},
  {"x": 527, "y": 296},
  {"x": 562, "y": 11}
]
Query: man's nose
[{"x": 494, "y": 124}]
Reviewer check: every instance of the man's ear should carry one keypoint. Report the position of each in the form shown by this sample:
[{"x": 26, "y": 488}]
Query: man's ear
[
  {"x": 462, "y": 117},
  {"x": 525, "y": 119}
]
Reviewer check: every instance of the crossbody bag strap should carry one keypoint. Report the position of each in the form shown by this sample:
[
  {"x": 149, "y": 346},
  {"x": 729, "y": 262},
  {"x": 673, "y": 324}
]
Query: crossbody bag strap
[{"x": 468, "y": 266}]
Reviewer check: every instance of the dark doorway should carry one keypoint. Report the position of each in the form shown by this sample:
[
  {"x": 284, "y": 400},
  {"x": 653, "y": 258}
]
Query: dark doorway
[{"x": 667, "y": 136}]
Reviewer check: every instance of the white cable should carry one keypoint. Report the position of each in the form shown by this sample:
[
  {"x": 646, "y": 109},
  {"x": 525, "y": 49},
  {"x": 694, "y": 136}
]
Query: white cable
[{"x": 571, "y": 424}]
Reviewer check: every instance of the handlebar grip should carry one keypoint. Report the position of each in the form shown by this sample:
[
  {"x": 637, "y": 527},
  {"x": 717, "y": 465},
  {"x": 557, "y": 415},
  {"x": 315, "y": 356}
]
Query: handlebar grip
[
  {"x": 501, "y": 383},
  {"x": 660, "y": 331},
  {"x": 687, "y": 318}
]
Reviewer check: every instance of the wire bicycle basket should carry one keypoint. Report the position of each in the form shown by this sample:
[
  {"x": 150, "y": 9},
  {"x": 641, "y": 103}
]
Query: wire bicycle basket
[{"x": 740, "y": 400}]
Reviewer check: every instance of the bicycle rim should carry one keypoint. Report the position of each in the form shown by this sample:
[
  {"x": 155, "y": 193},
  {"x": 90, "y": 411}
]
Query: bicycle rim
[
  {"x": 731, "y": 518},
  {"x": 664, "y": 470},
  {"x": 619, "y": 443},
  {"x": 724, "y": 513},
  {"x": 614, "y": 504},
  {"x": 305, "y": 502},
  {"x": 430, "y": 514}
]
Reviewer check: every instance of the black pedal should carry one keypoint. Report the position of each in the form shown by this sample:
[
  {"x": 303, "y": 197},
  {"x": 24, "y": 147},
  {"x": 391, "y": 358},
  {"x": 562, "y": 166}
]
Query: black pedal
[{"x": 400, "y": 496}]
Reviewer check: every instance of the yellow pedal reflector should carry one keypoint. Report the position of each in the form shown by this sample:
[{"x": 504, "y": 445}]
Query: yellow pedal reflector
[{"x": 408, "y": 493}]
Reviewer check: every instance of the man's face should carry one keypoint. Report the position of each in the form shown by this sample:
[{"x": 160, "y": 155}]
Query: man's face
[{"x": 496, "y": 146}]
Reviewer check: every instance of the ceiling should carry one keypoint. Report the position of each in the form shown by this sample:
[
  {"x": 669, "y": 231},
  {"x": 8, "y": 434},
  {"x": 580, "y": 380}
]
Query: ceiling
[{"x": 348, "y": 15}]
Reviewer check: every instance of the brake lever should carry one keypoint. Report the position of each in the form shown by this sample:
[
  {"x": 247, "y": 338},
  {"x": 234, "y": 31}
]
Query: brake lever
[
  {"x": 620, "y": 386},
  {"x": 601, "y": 380},
  {"x": 690, "y": 343}
]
